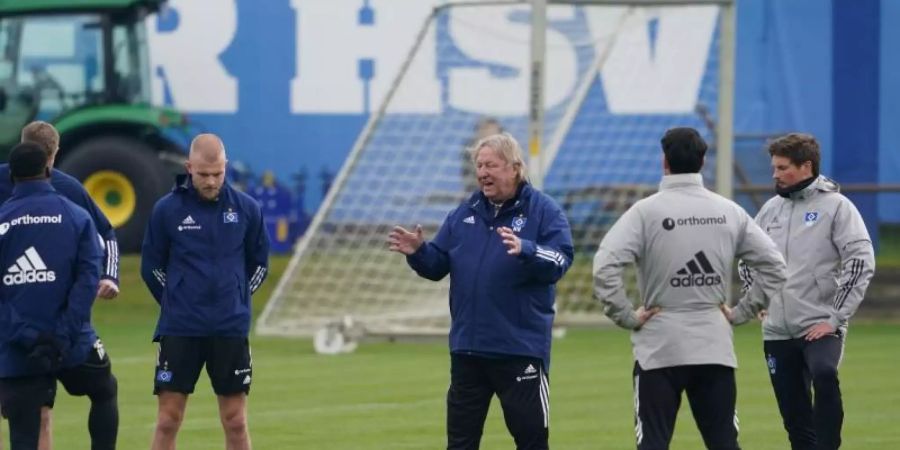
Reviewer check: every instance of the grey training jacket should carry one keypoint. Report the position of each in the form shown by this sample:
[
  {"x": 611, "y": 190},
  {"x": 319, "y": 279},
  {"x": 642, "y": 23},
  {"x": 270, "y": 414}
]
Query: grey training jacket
[
  {"x": 684, "y": 240},
  {"x": 829, "y": 256}
]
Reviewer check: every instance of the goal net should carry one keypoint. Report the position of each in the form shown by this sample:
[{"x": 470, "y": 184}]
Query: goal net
[{"x": 616, "y": 78}]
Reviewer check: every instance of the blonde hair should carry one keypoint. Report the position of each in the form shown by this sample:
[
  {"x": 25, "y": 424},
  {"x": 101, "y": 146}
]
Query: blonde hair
[
  {"x": 43, "y": 135},
  {"x": 507, "y": 148},
  {"x": 207, "y": 146}
]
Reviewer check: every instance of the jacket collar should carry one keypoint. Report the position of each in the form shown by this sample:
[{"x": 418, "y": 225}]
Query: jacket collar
[
  {"x": 681, "y": 180},
  {"x": 820, "y": 184},
  {"x": 480, "y": 203},
  {"x": 23, "y": 188},
  {"x": 183, "y": 185}
]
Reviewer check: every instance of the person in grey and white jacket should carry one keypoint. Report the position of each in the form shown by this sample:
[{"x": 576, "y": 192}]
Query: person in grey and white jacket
[
  {"x": 684, "y": 240},
  {"x": 830, "y": 262}
]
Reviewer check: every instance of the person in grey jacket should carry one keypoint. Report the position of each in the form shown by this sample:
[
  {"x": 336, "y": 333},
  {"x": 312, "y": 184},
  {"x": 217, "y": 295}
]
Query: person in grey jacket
[
  {"x": 684, "y": 240},
  {"x": 830, "y": 263}
]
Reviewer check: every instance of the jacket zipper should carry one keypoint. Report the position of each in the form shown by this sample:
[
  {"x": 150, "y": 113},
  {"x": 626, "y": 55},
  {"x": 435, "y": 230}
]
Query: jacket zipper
[
  {"x": 492, "y": 225},
  {"x": 475, "y": 286},
  {"x": 787, "y": 246}
]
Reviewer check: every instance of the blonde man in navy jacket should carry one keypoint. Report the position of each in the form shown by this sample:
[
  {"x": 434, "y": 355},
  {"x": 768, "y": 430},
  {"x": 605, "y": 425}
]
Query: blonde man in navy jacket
[{"x": 205, "y": 252}]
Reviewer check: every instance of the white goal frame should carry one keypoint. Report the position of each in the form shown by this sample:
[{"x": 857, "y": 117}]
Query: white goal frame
[{"x": 540, "y": 154}]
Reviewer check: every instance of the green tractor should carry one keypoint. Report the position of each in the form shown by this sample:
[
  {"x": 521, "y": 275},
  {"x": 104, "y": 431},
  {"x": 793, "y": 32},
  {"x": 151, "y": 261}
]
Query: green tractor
[{"x": 82, "y": 65}]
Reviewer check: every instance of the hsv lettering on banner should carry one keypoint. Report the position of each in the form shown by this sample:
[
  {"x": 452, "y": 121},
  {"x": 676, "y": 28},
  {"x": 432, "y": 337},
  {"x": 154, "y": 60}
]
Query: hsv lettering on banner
[
  {"x": 189, "y": 51},
  {"x": 346, "y": 56}
]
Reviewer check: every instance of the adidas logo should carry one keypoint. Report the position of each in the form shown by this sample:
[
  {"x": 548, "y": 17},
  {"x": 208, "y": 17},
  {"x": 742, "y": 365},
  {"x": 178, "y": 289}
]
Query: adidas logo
[
  {"x": 189, "y": 224},
  {"x": 696, "y": 273},
  {"x": 29, "y": 268},
  {"x": 98, "y": 346},
  {"x": 470, "y": 219},
  {"x": 247, "y": 379},
  {"x": 530, "y": 373}
]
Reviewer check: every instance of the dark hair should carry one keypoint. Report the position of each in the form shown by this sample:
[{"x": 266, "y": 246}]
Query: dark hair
[
  {"x": 42, "y": 134},
  {"x": 799, "y": 148},
  {"x": 684, "y": 150},
  {"x": 27, "y": 160}
]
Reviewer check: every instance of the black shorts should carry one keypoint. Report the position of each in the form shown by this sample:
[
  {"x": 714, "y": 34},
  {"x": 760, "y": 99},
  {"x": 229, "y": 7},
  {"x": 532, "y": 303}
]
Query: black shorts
[
  {"x": 180, "y": 359},
  {"x": 28, "y": 393},
  {"x": 92, "y": 378}
]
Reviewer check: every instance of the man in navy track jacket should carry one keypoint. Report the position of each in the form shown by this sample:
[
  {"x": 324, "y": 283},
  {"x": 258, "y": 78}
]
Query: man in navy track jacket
[
  {"x": 51, "y": 255},
  {"x": 89, "y": 372},
  {"x": 504, "y": 249},
  {"x": 205, "y": 252}
]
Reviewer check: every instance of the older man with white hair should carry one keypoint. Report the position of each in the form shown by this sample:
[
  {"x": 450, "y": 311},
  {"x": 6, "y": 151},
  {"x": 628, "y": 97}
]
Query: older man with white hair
[{"x": 504, "y": 249}]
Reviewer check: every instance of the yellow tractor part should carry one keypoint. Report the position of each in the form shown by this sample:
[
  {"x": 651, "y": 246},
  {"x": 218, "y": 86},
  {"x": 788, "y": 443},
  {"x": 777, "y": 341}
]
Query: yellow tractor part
[{"x": 114, "y": 194}]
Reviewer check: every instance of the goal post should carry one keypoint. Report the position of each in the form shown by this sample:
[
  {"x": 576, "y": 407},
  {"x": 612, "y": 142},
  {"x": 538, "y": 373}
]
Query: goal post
[{"x": 616, "y": 75}]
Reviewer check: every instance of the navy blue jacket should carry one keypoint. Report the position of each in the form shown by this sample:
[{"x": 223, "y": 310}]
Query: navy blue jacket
[
  {"x": 71, "y": 188},
  {"x": 202, "y": 260},
  {"x": 500, "y": 304},
  {"x": 50, "y": 257}
]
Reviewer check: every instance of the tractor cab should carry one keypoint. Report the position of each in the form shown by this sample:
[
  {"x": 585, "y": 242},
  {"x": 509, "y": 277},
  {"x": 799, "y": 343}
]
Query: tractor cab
[{"x": 83, "y": 66}]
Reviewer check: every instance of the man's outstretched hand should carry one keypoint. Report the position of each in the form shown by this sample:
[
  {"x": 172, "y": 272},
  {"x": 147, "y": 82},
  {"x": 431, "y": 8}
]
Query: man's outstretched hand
[{"x": 407, "y": 242}]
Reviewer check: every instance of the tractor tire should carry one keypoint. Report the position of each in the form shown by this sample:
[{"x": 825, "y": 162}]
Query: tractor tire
[{"x": 125, "y": 178}]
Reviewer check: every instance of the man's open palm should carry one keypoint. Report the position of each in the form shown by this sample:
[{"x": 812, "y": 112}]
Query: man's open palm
[{"x": 407, "y": 242}]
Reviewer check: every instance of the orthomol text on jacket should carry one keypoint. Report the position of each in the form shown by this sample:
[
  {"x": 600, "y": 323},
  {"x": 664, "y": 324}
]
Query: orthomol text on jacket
[
  {"x": 29, "y": 220},
  {"x": 670, "y": 223}
]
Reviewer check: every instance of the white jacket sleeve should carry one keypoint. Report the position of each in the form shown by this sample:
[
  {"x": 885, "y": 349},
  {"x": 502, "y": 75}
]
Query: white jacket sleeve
[
  {"x": 620, "y": 247},
  {"x": 745, "y": 273},
  {"x": 852, "y": 241},
  {"x": 761, "y": 260}
]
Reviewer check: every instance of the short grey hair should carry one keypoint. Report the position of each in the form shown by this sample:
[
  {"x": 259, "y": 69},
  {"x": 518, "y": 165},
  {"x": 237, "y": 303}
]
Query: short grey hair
[{"x": 507, "y": 148}]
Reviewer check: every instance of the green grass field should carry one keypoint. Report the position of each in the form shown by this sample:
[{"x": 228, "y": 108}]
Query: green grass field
[
  {"x": 391, "y": 395},
  {"x": 888, "y": 254}
]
